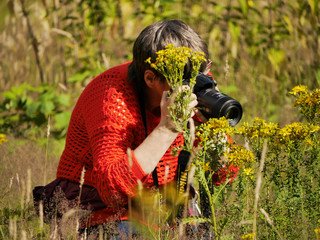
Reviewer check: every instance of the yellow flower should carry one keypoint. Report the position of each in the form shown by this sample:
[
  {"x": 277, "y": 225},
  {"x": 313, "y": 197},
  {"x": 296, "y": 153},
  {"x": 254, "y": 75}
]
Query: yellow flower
[
  {"x": 248, "y": 171},
  {"x": 207, "y": 167},
  {"x": 3, "y": 138},
  {"x": 297, "y": 131},
  {"x": 299, "y": 89},
  {"x": 249, "y": 236},
  {"x": 258, "y": 129},
  {"x": 239, "y": 156}
]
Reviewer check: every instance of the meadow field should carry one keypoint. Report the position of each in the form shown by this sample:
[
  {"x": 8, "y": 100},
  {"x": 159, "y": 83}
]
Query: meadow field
[{"x": 265, "y": 54}]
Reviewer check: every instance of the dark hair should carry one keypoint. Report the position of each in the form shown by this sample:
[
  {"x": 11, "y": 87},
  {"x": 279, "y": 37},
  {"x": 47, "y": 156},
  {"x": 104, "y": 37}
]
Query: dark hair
[{"x": 156, "y": 37}]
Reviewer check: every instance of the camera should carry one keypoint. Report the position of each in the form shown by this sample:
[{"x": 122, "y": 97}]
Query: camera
[{"x": 214, "y": 104}]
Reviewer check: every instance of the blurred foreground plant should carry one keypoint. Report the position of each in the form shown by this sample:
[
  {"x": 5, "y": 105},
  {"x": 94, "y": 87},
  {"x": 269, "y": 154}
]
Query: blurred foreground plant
[{"x": 212, "y": 151}]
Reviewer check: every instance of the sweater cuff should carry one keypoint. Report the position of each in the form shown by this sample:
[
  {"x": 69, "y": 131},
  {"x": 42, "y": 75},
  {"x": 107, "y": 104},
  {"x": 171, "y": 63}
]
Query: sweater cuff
[{"x": 136, "y": 168}]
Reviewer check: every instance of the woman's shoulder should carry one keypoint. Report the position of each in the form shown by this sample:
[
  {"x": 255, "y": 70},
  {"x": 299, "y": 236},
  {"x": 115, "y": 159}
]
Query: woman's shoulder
[
  {"x": 112, "y": 93},
  {"x": 114, "y": 79}
]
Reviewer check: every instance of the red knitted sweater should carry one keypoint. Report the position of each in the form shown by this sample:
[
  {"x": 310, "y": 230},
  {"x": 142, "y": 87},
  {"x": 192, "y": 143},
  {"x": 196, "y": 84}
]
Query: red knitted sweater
[{"x": 105, "y": 122}]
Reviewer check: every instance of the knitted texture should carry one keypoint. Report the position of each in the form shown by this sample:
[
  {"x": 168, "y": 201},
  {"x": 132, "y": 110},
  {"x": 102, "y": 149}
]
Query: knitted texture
[{"x": 105, "y": 123}]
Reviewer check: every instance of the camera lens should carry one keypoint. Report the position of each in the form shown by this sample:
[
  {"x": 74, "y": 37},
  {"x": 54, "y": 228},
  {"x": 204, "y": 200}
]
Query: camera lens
[
  {"x": 214, "y": 104},
  {"x": 231, "y": 110}
]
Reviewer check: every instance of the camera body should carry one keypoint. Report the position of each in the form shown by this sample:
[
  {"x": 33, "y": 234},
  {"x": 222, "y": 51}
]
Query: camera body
[{"x": 214, "y": 104}]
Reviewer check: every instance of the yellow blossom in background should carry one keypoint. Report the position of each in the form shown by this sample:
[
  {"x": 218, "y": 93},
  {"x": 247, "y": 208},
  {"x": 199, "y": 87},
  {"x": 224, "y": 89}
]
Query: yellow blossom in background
[
  {"x": 317, "y": 231},
  {"x": 258, "y": 129},
  {"x": 3, "y": 138},
  {"x": 248, "y": 171},
  {"x": 249, "y": 236},
  {"x": 238, "y": 156},
  {"x": 298, "y": 131},
  {"x": 308, "y": 102},
  {"x": 299, "y": 89}
]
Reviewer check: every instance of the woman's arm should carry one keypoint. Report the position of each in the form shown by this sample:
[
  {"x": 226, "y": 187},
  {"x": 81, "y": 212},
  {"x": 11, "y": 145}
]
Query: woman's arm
[{"x": 152, "y": 149}]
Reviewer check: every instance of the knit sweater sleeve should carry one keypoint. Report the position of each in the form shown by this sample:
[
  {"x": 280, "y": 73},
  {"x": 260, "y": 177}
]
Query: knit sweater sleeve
[{"x": 112, "y": 123}]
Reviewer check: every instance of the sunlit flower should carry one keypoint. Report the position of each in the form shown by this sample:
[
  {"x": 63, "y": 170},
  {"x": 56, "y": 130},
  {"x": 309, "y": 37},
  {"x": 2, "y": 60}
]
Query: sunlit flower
[
  {"x": 238, "y": 156},
  {"x": 308, "y": 102},
  {"x": 258, "y": 129},
  {"x": 299, "y": 89},
  {"x": 3, "y": 138},
  {"x": 248, "y": 171},
  {"x": 249, "y": 236},
  {"x": 297, "y": 131}
]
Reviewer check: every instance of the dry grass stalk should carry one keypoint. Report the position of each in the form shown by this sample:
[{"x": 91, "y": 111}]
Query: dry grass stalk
[
  {"x": 258, "y": 186},
  {"x": 23, "y": 235},
  {"x": 23, "y": 194},
  {"x": 129, "y": 197},
  {"x": 46, "y": 158},
  {"x": 13, "y": 228},
  {"x": 28, "y": 186},
  {"x": 265, "y": 214},
  {"x": 41, "y": 215}
]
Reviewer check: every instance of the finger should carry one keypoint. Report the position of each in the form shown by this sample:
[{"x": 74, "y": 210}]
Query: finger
[
  {"x": 172, "y": 97},
  {"x": 194, "y": 101},
  {"x": 164, "y": 98}
]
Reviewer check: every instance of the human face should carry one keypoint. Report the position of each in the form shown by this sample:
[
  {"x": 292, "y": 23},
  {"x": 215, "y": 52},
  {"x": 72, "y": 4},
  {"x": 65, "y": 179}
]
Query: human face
[{"x": 154, "y": 90}]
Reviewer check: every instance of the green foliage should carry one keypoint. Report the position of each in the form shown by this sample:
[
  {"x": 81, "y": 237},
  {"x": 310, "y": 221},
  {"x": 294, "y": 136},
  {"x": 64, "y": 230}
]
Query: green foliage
[{"x": 25, "y": 108}]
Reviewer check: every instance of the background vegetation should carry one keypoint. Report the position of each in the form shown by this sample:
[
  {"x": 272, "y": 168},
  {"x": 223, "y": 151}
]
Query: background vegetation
[{"x": 50, "y": 50}]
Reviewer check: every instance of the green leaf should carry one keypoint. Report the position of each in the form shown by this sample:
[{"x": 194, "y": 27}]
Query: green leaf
[
  {"x": 79, "y": 77},
  {"x": 46, "y": 107},
  {"x": 18, "y": 91},
  {"x": 244, "y": 7},
  {"x": 9, "y": 95},
  {"x": 61, "y": 120},
  {"x": 47, "y": 96},
  {"x": 32, "y": 108},
  {"x": 276, "y": 57},
  {"x": 63, "y": 99}
]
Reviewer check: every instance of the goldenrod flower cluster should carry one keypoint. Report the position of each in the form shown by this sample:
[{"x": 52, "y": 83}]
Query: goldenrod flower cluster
[
  {"x": 297, "y": 132},
  {"x": 214, "y": 129},
  {"x": 249, "y": 236},
  {"x": 171, "y": 62},
  {"x": 259, "y": 129},
  {"x": 238, "y": 156},
  {"x": 248, "y": 172},
  {"x": 3, "y": 138},
  {"x": 307, "y": 102}
]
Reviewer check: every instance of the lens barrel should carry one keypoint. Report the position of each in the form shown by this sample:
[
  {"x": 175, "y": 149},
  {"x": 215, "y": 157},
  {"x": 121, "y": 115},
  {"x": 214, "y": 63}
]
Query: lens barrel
[{"x": 214, "y": 104}]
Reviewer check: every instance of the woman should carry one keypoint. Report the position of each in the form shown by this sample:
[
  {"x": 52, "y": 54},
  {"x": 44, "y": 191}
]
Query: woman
[{"x": 120, "y": 132}]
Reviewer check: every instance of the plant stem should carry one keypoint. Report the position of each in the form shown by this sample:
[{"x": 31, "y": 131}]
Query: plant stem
[{"x": 213, "y": 215}]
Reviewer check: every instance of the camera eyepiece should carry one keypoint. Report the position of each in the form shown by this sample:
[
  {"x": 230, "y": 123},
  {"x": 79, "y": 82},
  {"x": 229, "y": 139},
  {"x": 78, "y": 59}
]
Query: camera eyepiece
[{"x": 214, "y": 104}]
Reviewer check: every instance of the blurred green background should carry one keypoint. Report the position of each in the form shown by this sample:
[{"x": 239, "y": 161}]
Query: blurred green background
[{"x": 50, "y": 50}]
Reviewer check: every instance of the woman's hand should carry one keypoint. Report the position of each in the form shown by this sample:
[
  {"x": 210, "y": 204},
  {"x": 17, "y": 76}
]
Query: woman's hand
[{"x": 168, "y": 101}]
